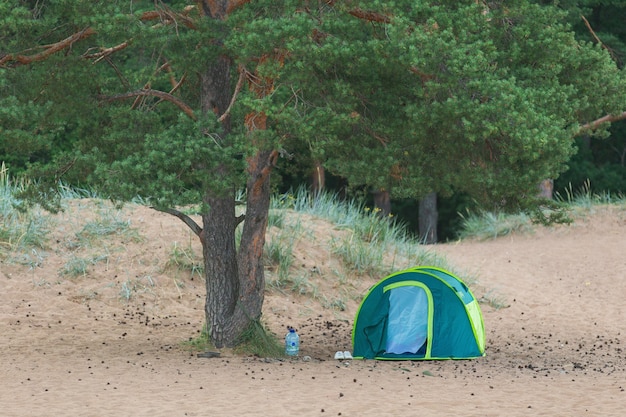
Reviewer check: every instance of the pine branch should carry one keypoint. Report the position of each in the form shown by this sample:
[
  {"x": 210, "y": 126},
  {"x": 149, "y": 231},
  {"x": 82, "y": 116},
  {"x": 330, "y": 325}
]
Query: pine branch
[
  {"x": 154, "y": 93},
  {"x": 593, "y": 34},
  {"x": 105, "y": 52},
  {"x": 609, "y": 118},
  {"x": 235, "y": 4},
  {"x": 242, "y": 73},
  {"x": 19, "y": 59},
  {"x": 186, "y": 219},
  {"x": 168, "y": 16},
  {"x": 370, "y": 16},
  {"x": 219, "y": 9}
]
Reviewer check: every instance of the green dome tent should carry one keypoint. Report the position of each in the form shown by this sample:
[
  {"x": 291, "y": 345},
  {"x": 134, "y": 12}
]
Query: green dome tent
[{"x": 419, "y": 313}]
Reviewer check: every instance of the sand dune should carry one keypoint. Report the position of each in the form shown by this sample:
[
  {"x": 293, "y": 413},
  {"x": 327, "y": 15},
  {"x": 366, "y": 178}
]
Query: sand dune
[{"x": 107, "y": 342}]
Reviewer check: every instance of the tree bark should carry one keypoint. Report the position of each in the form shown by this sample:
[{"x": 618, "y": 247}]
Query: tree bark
[
  {"x": 546, "y": 188},
  {"x": 250, "y": 258},
  {"x": 13, "y": 60},
  {"x": 428, "y": 217},
  {"x": 235, "y": 280},
  {"x": 223, "y": 316},
  {"x": 382, "y": 201},
  {"x": 318, "y": 179}
]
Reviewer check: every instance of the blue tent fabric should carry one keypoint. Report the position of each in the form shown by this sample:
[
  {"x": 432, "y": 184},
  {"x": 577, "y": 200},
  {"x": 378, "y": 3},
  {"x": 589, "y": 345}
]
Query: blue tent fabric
[{"x": 408, "y": 319}]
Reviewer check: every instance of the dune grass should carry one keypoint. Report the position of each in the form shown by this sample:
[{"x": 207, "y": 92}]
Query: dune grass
[
  {"x": 489, "y": 225},
  {"x": 278, "y": 250},
  {"x": 484, "y": 225},
  {"x": 89, "y": 246},
  {"x": 375, "y": 245},
  {"x": 134, "y": 286},
  {"x": 585, "y": 199},
  {"x": 367, "y": 244},
  {"x": 259, "y": 341},
  {"x": 256, "y": 340},
  {"x": 200, "y": 342},
  {"x": 20, "y": 231},
  {"x": 183, "y": 258}
]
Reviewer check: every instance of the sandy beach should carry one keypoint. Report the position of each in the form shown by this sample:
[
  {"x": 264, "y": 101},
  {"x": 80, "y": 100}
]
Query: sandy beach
[{"x": 109, "y": 342}]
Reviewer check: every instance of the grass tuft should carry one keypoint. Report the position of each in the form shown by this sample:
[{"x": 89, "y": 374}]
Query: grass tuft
[
  {"x": 131, "y": 287},
  {"x": 79, "y": 266},
  {"x": 256, "y": 340},
  {"x": 360, "y": 256},
  {"x": 184, "y": 258},
  {"x": 202, "y": 343},
  {"x": 108, "y": 224},
  {"x": 19, "y": 230},
  {"x": 585, "y": 199},
  {"x": 487, "y": 225},
  {"x": 278, "y": 250},
  {"x": 493, "y": 300}
]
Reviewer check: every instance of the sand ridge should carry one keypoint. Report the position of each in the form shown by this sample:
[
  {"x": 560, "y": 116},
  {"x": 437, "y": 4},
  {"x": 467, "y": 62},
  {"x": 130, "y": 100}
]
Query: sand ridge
[{"x": 108, "y": 342}]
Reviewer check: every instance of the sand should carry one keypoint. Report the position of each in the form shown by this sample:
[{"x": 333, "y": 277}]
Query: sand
[{"x": 108, "y": 342}]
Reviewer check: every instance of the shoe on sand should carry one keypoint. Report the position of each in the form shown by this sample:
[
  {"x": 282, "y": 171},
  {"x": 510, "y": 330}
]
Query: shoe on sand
[
  {"x": 347, "y": 355},
  {"x": 339, "y": 355}
]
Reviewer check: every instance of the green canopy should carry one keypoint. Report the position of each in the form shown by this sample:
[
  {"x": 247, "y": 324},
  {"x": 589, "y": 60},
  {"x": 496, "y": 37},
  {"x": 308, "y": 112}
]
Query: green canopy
[{"x": 419, "y": 313}]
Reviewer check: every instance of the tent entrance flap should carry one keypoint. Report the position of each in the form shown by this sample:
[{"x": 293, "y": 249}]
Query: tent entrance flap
[{"x": 407, "y": 324}]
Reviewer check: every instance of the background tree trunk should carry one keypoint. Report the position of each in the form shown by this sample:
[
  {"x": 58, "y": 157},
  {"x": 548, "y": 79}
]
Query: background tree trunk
[
  {"x": 546, "y": 188},
  {"x": 318, "y": 179},
  {"x": 382, "y": 201},
  {"x": 428, "y": 216}
]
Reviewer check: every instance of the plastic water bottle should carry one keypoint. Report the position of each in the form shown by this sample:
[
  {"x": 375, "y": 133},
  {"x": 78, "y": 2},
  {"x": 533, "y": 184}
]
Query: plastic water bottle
[{"x": 292, "y": 343}]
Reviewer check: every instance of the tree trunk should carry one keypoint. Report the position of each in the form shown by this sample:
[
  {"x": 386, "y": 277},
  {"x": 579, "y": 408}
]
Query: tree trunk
[
  {"x": 224, "y": 316},
  {"x": 250, "y": 259},
  {"x": 546, "y": 188},
  {"x": 235, "y": 282},
  {"x": 318, "y": 179},
  {"x": 428, "y": 217},
  {"x": 382, "y": 202}
]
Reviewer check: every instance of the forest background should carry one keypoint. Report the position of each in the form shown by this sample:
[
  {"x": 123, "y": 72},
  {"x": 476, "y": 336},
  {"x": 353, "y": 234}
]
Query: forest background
[{"x": 598, "y": 165}]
